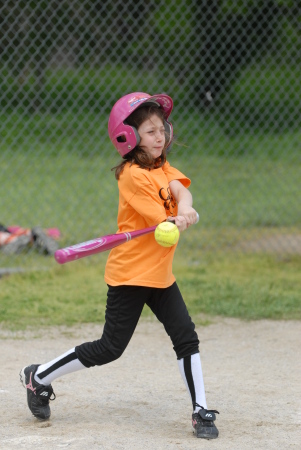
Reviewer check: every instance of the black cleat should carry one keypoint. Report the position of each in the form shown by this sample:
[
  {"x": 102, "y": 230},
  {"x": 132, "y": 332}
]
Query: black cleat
[
  {"x": 203, "y": 423},
  {"x": 38, "y": 395}
]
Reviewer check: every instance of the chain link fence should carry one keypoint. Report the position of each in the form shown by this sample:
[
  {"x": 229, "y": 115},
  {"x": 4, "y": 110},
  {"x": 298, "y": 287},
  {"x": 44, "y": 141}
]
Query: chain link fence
[{"x": 233, "y": 70}]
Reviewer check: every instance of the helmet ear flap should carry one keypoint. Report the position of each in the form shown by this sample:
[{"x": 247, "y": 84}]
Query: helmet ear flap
[{"x": 126, "y": 139}]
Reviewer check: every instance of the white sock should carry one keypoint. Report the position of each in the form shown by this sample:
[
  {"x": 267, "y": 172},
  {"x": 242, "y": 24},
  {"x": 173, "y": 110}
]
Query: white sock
[
  {"x": 191, "y": 371},
  {"x": 64, "y": 364}
]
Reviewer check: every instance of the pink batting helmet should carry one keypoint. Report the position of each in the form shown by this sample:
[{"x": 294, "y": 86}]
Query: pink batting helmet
[{"x": 125, "y": 137}]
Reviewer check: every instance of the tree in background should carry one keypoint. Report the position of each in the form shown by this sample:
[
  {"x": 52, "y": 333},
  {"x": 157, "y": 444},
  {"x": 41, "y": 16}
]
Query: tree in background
[{"x": 204, "y": 45}]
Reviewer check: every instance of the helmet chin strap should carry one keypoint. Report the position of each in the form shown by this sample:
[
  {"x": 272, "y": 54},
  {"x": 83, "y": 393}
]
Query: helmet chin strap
[
  {"x": 138, "y": 138},
  {"x": 168, "y": 130}
]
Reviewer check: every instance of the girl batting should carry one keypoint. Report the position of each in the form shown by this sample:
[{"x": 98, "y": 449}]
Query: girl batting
[{"x": 140, "y": 272}]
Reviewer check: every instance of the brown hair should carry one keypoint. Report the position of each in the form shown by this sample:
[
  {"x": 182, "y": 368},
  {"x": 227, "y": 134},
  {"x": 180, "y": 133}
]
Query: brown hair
[{"x": 138, "y": 155}]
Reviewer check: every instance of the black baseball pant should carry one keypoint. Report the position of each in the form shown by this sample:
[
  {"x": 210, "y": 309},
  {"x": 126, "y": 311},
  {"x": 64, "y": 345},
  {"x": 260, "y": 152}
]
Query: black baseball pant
[{"x": 124, "y": 308}]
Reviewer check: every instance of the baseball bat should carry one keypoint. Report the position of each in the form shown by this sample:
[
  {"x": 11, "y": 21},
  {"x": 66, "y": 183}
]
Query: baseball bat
[{"x": 99, "y": 245}]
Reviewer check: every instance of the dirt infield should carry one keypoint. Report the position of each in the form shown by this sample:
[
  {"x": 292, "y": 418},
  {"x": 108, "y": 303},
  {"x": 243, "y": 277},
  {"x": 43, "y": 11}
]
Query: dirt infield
[{"x": 139, "y": 402}]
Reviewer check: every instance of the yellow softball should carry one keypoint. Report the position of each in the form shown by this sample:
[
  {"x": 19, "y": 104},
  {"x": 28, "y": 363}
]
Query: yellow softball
[{"x": 167, "y": 234}]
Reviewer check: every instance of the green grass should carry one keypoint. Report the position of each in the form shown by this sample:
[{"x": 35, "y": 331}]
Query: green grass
[
  {"x": 244, "y": 286},
  {"x": 54, "y": 297},
  {"x": 225, "y": 283}
]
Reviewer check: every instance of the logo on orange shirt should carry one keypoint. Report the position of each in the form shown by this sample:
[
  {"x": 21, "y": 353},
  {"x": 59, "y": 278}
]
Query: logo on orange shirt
[{"x": 168, "y": 200}]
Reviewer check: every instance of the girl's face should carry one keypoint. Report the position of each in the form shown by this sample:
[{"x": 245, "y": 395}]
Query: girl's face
[{"x": 152, "y": 134}]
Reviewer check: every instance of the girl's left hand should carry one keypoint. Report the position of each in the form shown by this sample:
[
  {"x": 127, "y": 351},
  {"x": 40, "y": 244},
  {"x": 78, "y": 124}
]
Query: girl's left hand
[
  {"x": 184, "y": 221},
  {"x": 189, "y": 214}
]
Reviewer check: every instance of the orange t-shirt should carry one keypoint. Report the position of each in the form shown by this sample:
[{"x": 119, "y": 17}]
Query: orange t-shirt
[{"x": 144, "y": 200}]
